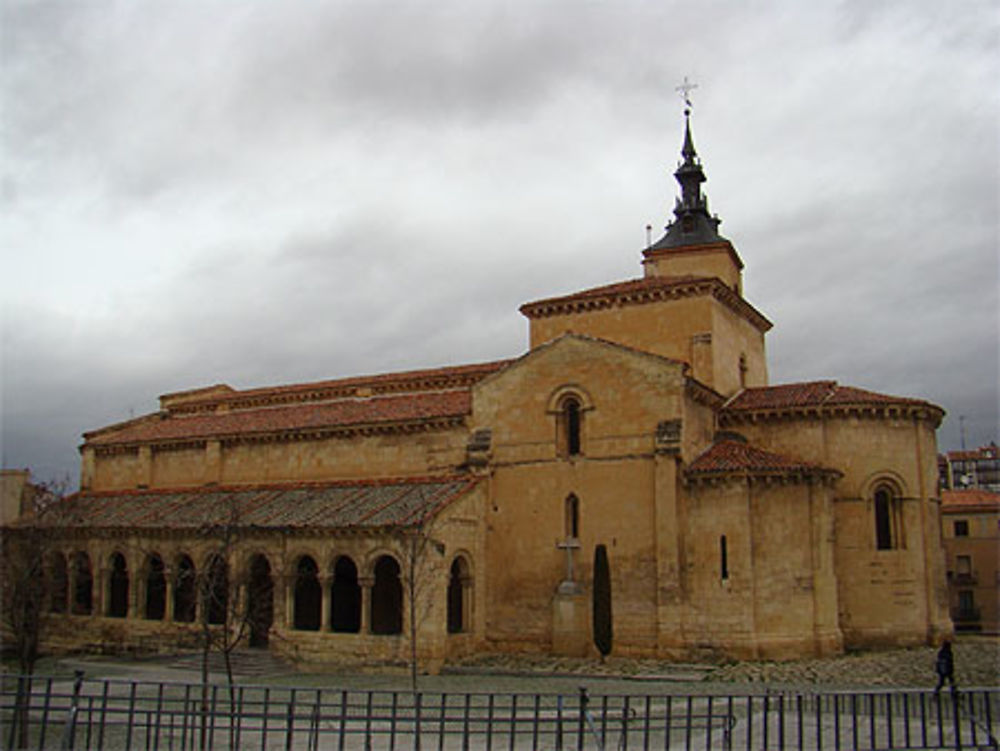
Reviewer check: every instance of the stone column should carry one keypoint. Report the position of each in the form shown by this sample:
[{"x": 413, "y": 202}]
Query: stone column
[
  {"x": 325, "y": 583},
  {"x": 168, "y": 605},
  {"x": 366, "y": 583},
  {"x": 290, "y": 600}
]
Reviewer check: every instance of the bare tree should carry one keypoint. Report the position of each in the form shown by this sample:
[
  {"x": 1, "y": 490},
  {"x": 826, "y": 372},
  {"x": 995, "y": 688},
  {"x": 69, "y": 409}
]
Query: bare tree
[
  {"x": 25, "y": 547},
  {"x": 424, "y": 557}
]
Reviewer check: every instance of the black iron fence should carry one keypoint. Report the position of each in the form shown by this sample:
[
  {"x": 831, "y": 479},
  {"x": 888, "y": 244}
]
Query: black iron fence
[{"x": 54, "y": 713}]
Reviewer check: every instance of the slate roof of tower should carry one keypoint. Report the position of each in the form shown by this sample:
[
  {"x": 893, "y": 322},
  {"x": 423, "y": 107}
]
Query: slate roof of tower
[
  {"x": 733, "y": 456},
  {"x": 343, "y": 506}
]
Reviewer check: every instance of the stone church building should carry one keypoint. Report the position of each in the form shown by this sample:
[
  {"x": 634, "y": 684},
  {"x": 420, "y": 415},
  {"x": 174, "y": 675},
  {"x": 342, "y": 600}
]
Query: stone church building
[{"x": 328, "y": 521}]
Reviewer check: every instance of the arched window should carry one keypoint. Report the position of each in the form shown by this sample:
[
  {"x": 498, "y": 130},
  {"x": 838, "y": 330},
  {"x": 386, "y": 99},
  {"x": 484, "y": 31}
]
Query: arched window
[
  {"x": 184, "y": 590},
  {"x": 118, "y": 587},
  {"x": 458, "y": 602},
  {"x": 571, "y": 422},
  {"x": 345, "y": 603},
  {"x": 743, "y": 371},
  {"x": 217, "y": 591},
  {"x": 387, "y": 598},
  {"x": 156, "y": 588},
  {"x": 308, "y": 595},
  {"x": 59, "y": 586},
  {"x": 83, "y": 585},
  {"x": 260, "y": 601},
  {"x": 571, "y": 512},
  {"x": 887, "y": 522}
]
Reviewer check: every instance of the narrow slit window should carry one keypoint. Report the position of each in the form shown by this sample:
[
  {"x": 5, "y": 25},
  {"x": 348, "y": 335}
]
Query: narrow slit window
[{"x": 723, "y": 557}]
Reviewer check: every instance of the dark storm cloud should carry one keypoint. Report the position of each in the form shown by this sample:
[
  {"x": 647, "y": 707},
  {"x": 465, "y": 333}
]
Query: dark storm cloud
[{"x": 265, "y": 193}]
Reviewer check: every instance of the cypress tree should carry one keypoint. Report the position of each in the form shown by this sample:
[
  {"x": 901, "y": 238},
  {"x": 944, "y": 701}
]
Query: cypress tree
[{"x": 602, "y": 602}]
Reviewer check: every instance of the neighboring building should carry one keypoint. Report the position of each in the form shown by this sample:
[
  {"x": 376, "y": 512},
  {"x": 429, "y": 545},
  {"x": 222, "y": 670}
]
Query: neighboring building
[
  {"x": 17, "y": 494},
  {"x": 970, "y": 523},
  {"x": 740, "y": 518},
  {"x": 971, "y": 470}
]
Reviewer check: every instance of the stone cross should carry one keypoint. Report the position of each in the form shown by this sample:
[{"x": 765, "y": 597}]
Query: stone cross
[{"x": 569, "y": 545}]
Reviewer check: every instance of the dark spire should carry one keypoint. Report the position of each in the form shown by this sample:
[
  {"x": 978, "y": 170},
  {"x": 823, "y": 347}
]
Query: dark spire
[{"x": 693, "y": 224}]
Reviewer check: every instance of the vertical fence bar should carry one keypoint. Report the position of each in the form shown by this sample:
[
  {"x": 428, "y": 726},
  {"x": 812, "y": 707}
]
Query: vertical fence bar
[
  {"x": 666, "y": 723},
  {"x": 819, "y": 720},
  {"x": 513, "y": 721},
  {"x": 749, "y": 703},
  {"x": 368, "y": 719},
  {"x": 465, "y": 722},
  {"x": 626, "y": 708},
  {"x": 289, "y": 721},
  {"x": 766, "y": 718},
  {"x": 417, "y": 701},
  {"x": 559, "y": 720},
  {"x": 392, "y": 720},
  {"x": 956, "y": 721},
  {"x": 687, "y": 724},
  {"x": 489, "y": 723},
  {"x": 45, "y": 714},
  {"x": 582, "y": 719},
  {"x": 708, "y": 723},
  {"x": 906, "y": 719},
  {"x": 923, "y": 719},
  {"x": 798, "y": 714},
  {"x": 102, "y": 717},
  {"x": 441, "y": 721},
  {"x": 131, "y": 717},
  {"x": 645, "y": 724}
]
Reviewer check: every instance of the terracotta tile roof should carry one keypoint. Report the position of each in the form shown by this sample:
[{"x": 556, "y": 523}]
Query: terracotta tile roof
[
  {"x": 738, "y": 457},
  {"x": 813, "y": 394},
  {"x": 959, "y": 501},
  {"x": 454, "y": 376},
  {"x": 645, "y": 290},
  {"x": 343, "y": 506},
  {"x": 340, "y": 413}
]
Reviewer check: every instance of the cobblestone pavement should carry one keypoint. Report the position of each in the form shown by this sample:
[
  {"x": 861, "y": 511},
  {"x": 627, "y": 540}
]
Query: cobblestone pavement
[{"x": 977, "y": 663}]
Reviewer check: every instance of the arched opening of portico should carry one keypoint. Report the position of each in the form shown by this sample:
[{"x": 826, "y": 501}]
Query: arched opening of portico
[
  {"x": 308, "y": 595},
  {"x": 387, "y": 598},
  {"x": 184, "y": 590},
  {"x": 83, "y": 584},
  {"x": 260, "y": 601},
  {"x": 458, "y": 601},
  {"x": 156, "y": 588},
  {"x": 118, "y": 587},
  {"x": 345, "y": 601}
]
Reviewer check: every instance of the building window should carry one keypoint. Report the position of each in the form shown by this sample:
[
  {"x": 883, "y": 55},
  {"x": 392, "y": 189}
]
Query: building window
[
  {"x": 345, "y": 615},
  {"x": 308, "y": 595},
  {"x": 961, "y": 527},
  {"x": 743, "y": 371},
  {"x": 966, "y": 602},
  {"x": 118, "y": 587},
  {"x": 963, "y": 565},
  {"x": 571, "y": 522},
  {"x": 571, "y": 419},
  {"x": 458, "y": 601},
  {"x": 724, "y": 557},
  {"x": 887, "y": 523}
]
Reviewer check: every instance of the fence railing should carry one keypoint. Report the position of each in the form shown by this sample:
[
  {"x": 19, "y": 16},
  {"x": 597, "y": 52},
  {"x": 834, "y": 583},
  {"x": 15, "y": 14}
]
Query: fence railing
[{"x": 49, "y": 713}]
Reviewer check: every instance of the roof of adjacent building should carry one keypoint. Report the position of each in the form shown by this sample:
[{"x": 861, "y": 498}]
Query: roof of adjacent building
[
  {"x": 735, "y": 456},
  {"x": 343, "y": 506},
  {"x": 645, "y": 290},
  {"x": 960, "y": 501},
  {"x": 318, "y": 416},
  {"x": 816, "y": 394}
]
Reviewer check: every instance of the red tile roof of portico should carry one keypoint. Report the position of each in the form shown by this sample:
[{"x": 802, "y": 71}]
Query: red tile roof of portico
[
  {"x": 289, "y": 418},
  {"x": 344, "y": 506},
  {"x": 738, "y": 457}
]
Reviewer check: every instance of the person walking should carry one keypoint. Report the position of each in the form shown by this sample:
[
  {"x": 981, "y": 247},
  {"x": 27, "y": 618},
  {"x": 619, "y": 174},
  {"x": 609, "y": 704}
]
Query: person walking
[{"x": 945, "y": 667}]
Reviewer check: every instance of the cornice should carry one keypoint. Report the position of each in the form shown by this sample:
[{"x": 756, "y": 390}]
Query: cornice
[
  {"x": 642, "y": 295},
  {"x": 891, "y": 410}
]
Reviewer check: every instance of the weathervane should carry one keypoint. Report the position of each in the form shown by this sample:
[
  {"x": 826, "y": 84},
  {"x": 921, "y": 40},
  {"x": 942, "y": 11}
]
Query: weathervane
[{"x": 685, "y": 90}]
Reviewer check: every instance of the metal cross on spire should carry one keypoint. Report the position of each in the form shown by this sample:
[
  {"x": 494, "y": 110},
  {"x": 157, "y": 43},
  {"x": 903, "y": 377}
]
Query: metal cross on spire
[{"x": 685, "y": 90}]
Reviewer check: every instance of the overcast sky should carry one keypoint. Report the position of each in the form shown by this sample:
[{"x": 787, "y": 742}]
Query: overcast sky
[{"x": 261, "y": 193}]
